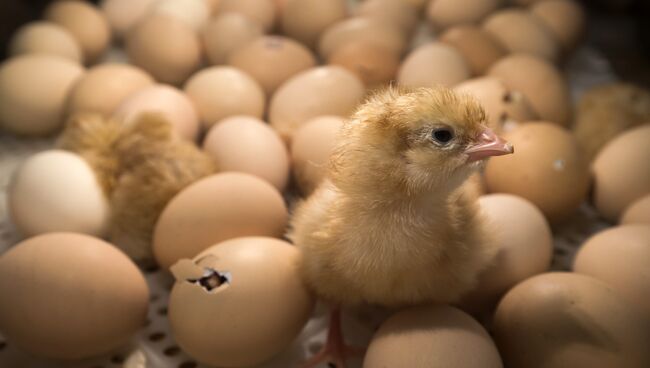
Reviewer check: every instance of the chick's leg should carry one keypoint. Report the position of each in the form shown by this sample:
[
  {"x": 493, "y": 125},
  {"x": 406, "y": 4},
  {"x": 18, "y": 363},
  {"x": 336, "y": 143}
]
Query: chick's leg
[{"x": 335, "y": 351}]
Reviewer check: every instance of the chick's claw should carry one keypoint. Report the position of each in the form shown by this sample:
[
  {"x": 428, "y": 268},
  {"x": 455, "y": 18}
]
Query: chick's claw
[{"x": 335, "y": 350}]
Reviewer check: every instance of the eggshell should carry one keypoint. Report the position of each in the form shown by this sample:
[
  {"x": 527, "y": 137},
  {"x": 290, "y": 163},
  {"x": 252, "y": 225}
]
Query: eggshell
[
  {"x": 261, "y": 11},
  {"x": 564, "y": 18},
  {"x": 374, "y": 65},
  {"x": 246, "y": 144},
  {"x": 85, "y": 22},
  {"x": 216, "y": 208},
  {"x": 271, "y": 60},
  {"x": 251, "y": 317},
  {"x": 172, "y": 103},
  {"x": 569, "y": 320},
  {"x": 311, "y": 148},
  {"x": 548, "y": 168},
  {"x": 227, "y": 32},
  {"x": 359, "y": 29},
  {"x": 400, "y": 13},
  {"x": 222, "y": 91},
  {"x": 541, "y": 83},
  {"x": 195, "y": 13},
  {"x": 479, "y": 48},
  {"x": 124, "y": 14},
  {"x": 33, "y": 90},
  {"x": 447, "y": 13},
  {"x": 39, "y": 196},
  {"x": 45, "y": 37},
  {"x": 431, "y": 336},
  {"x": 621, "y": 172},
  {"x": 103, "y": 87},
  {"x": 164, "y": 46},
  {"x": 638, "y": 212},
  {"x": 70, "y": 296},
  {"x": 434, "y": 63},
  {"x": 305, "y": 20},
  {"x": 524, "y": 244},
  {"x": 326, "y": 90}
]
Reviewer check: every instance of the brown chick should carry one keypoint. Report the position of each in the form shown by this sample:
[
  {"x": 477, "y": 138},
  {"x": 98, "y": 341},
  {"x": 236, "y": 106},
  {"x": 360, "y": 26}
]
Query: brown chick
[{"x": 393, "y": 223}]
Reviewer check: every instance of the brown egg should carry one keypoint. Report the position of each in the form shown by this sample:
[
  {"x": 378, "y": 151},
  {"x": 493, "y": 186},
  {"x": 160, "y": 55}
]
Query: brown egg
[
  {"x": 172, "y": 103},
  {"x": 620, "y": 257},
  {"x": 564, "y": 18},
  {"x": 447, "y": 13},
  {"x": 431, "y": 336},
  {"x": 271, "y": 60},
  {"x": 621, "y": 172},
  {"x": 219, "y": 207},
  {"x": 373, "y": 64},
  {"x": 70, "y": 296},
  {"x": 397, "y": 12},
  {"x": 326, "y": 90},
  {"x": 222, "y": 91},
  {"x": 305, "y": 20},
  {"x": 45, "y": 37},
  {"x": 541, "y": 83},
  {"x": 478, "y": 47},
  {"x": 311, "y": 148},
  {"x": 124, "y": 14},
  {"x": 194, "y": 13},
  {"x": 261, "y": 11},
  {"x": 165, "y": 47},
  {"x": 85, "y": 22},
  {"x": 547, "y": 168},
  {"x": 359, "y": 29},
  {"x": 504, "y": 107},
  {"x": 524, "y": 244},
  {"x": 105, "y": 86},
  {"x": 247, "y": 144},
  {"x": 638, "y": 212},
  {"x": 239, "y": 302},
  {"x": 433, "y": 64},
  {"x": 227, "y": 32},
  {"x": 33, "y": 90},
  {"x": 569, "y": 320}
]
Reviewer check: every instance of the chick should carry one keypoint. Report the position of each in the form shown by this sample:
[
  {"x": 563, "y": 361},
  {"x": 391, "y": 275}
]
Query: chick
[{"x": 393, "y": 223}]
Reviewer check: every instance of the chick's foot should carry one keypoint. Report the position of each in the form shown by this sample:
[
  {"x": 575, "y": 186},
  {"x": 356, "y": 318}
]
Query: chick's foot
[{"x": 335, "y": 351}]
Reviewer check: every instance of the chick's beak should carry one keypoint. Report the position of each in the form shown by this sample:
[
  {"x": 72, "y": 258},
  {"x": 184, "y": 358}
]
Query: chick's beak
[{"x": 488, "y": 144}]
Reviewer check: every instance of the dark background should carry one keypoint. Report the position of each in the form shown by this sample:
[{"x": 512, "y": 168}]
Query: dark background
[{"x": 620, "y": 29}]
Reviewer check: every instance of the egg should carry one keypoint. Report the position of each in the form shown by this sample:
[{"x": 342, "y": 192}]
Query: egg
[
  {"x": 447, "y": 13},
  {"x": 222, "y": 91},
  {"x": 216, "y": 208},
  {"x": 400, "y": 13},
  {"x": 564, "y": 18},
  {"x": 621, "y": 172},
  {"x": 359, "y": 29},
  {"x": 271, "y": 60},
  {"x": 569, "y": 320},
  {"x": 524, "y": 247},
  {"x": 311, "y": 148},
  {"x": 195, "y": 13},
  {"x": 520, "y": 31},
  {"x": 85, "y": 22},
  {"x": 172, "y": 103},
  {"x": 326, "y": 90},
  {"x": 45, "y": 37},
  {"x": 541, "y": 82},
  {"x": 247, "y": 144},
  {"x": 33, "y": 90},
  {"x": 239, "y": 302},
  {"x": 124, "y": 14},
  {"x": 164, "y": 46},
  {"x": 261, "y": 11},
  {"x": 70, "y": 296},
  {"x": 548, "y": 168},
  {"x": 431, "y": 336},
  {"x": 374, "y": 65},
  {"x": 478, "y": 47},
  {"x": 504, "y": 107},
  {"x": 227, "y": 32},
  {"x": 103, "y": 87},
  {"x": 434, "y": 63},
  {"x": 638, "y": 212},
  {"x": 305, "y": 20}
]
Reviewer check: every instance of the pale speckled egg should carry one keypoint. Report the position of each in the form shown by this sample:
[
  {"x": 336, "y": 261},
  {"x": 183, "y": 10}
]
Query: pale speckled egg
[
  {"x": 40, "y": 200},
  {"x": 124, "y": 14},
  {"x": 432, "y": 64},
  {"x": 261, "y": 11},
  {"x": 478, "y": 47},
  {"x": 195, "y": 13},
  {"x": 220, "y": 207},
  {"x": 326, "y": 90},
  {"x": 447, "y": 13},
  {"x": 222, "y": 91},
  {"x": 227, "y": 32},
  {"x": 564, "y": 18},
  {"x": 305, "y": 20},
  {"x": 638, "y": 212},
  {"x": 70, "y": 296},
  {"x": 45, "y": 37},
  {"x": 239, "y": 302},
  {"x": 400, "y": 13},
  {"x": 374, "y": 65},
  {"x": 360, "y": 29},
  {"x": 247, "y": 144}
]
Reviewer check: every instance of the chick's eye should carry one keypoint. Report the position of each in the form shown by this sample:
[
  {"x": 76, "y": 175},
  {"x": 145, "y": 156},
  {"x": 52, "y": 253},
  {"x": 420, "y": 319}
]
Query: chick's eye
[{"x": 442, "y": 135}]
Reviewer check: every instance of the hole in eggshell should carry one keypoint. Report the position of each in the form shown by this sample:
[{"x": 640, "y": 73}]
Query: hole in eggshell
[{"x": 212, "y": 279}]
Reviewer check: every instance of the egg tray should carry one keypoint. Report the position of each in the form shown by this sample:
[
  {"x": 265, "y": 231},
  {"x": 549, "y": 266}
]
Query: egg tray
[{"x": 154, "y": 346}]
